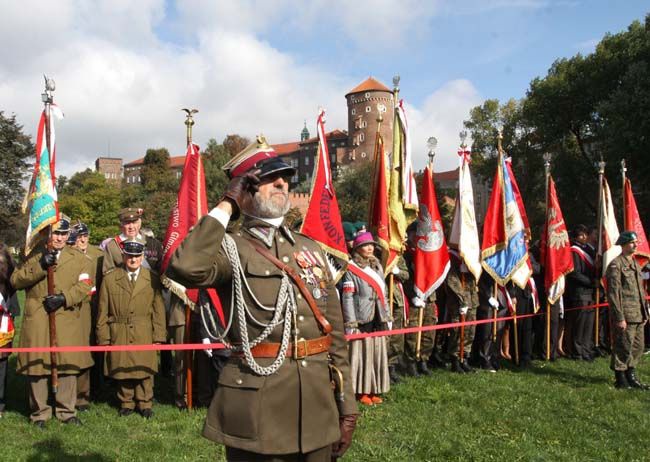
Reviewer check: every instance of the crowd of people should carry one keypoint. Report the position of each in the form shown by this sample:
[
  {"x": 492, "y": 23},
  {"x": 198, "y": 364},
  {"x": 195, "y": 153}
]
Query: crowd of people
[{"x": 286, "y": 319}]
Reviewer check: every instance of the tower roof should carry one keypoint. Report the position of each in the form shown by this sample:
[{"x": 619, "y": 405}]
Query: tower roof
[{"x": 369, "y": 84}]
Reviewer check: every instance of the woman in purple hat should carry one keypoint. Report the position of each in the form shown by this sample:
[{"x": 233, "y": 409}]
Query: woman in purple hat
[{"x": 365, "y": 310}]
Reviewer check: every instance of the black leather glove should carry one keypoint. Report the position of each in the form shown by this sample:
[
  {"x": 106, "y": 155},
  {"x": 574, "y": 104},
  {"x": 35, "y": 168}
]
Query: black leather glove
[
  {"x": 54, "y": 302},
  {"x": 48, "y": 259},
  {"x": 240, "y": 191},
  {"x": 347, "y": 424}
]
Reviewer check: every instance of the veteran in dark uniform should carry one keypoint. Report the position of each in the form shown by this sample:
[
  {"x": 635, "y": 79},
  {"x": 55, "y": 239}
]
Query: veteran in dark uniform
[
  {"x": 72, "y": 285},
  {"x": 131, "y": 312},
  {"x": 626, "y": 296},
  {"x": 275, "y": 399},
  {"x": 89, "y": 314}
]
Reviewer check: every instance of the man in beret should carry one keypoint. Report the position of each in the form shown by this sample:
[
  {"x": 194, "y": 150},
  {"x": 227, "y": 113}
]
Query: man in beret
[
  {"x": 130, "y": 225},
  {"x": 72, "y": 284},
  {"x": 131, "y": 312},
  {"x": 275, "y": 399},
  {"x": 627, "y": 304},
  {"x": 89, "y": 317}
]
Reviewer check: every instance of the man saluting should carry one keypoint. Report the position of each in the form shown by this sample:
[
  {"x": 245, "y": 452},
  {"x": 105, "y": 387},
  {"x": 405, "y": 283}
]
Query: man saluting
[{"x": 275, "y": 398}]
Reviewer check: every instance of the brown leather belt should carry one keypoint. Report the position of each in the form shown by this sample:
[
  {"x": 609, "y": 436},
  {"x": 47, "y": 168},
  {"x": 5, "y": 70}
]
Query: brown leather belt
[{"x": 300, "y": 350}]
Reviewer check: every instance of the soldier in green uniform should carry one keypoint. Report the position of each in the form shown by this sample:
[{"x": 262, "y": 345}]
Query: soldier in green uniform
[
  {"x": 462, "y": 301},
  {"x": 131, "y": 312},
  {"x": 89, "y": 316},
  {"x": 627, "y": 305},
  {"x": 397, "y": 361},
  {"x": 72, "y": 285},
  {"x": 275, "y": 399}
]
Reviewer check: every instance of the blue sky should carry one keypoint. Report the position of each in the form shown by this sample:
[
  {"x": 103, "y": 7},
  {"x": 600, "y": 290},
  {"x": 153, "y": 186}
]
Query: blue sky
[{"x": 124, "y": 69}]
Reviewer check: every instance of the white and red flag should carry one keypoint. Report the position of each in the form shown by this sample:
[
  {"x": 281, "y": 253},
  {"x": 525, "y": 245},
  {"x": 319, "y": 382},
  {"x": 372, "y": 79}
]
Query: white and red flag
[
  {"x": 609, "y": 228},
  {"x": 322, "y": 220},
  {"x": 555, "y": 247},
  {"x": 464, "y": 232},
  {"x": 633, "y": 223},
  {"x": 431, "y": 256},
  {"x": 190, "y": 206}
]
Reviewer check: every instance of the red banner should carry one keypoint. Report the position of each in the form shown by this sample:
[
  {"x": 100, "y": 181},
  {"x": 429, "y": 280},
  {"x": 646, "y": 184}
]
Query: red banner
[
  {"x": 191, "y": 204},
  {"x": 633, "y": 223},
  {"x": 322, "y": 220},
  {"x": 555, "y": 247},
  {"x": 431, "y": 256}
]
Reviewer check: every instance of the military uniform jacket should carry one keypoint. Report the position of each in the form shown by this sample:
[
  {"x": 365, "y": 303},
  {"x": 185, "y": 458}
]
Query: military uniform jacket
[
  {"x": 361, "y": 302},
  {"x": 293, "y": 410},
  {"x": 71, "y": 276},
  {"x": 131, "y": 316},
  {"x": 153, "y": 253},
  {"x": 89, "y": 304},
  {"x": 460, "y": 287},
  {"x": 625, "y": 290}
]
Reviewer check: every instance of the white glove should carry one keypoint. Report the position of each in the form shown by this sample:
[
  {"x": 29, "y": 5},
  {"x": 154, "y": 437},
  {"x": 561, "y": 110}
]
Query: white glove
[
  {"x": 493, "y": 302},
  {"x": 463, "y": 310},
  {"x": 208, "y": 352},
  {"x": 395, "y": 270},
  {"x": 418, "y": 302},
  {"x": 645, "y": 275},
  {"x": 351, "y": 330}
]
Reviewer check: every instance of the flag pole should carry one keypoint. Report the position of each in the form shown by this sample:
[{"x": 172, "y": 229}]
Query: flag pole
[
  {"x": 547, "y": 170},
  {"x": 514, "y": 313},
  {"x": 189, "y": 357},
  {"x": 601, "y": 175},
  {"x": 48, "y": 99},
  {"x": 432, "y": 142},
  {"x": 623, "y": 176}
]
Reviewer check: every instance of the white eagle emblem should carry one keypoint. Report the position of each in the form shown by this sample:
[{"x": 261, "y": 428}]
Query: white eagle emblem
[{"x": 430, "y": 234}]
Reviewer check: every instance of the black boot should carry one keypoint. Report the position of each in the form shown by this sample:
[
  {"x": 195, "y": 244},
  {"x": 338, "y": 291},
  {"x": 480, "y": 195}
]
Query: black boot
[
  {"x": 466, "y": 367},
  {"x": 423, "y": 369},
  {"x": 456, "y": 366},
  {"x": 621, "y": 381},
  {"x": 411, "y": 370},
  {"x": 630, "y": 375},
  {"x": 393, "y": 375},
  {"x": 436, "y": 361}
]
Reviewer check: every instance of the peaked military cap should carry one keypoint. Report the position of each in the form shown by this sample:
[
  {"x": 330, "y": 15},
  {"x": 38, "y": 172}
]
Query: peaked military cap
[
  {"x": 258, "y": 155},
  {"x": 63, "y": 225},
  {"x": 626, "y": 237},
  {"x": 81, "y": 229},
  {"x": 72, "y": 238},
  {"x": 132, "y": 247},
  {"x": 130, "y": 214}
]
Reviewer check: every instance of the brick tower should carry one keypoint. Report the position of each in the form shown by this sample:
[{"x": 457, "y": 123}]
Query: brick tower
[{"x": 364, "y": 102}]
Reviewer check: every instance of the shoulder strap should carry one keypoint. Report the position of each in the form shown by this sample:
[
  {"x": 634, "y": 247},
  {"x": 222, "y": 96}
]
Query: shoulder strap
[{"x": 324, "y": 323}]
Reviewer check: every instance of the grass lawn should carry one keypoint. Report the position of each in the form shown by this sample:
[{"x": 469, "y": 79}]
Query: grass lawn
[{"x": 561, "y": 411}]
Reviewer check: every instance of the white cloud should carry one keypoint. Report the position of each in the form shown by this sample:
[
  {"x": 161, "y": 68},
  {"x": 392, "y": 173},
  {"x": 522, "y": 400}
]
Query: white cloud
[
  {"x": 441, "y": 115},
  {"x": 118, "y": 83}
]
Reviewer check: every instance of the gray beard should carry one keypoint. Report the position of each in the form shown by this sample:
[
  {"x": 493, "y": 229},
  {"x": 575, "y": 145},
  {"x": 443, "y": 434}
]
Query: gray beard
[{"x": 269, "y": 209}]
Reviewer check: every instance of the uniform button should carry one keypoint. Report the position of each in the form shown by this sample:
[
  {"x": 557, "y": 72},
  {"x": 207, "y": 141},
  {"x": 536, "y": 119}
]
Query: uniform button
[
  {"x": 301, "y": 339},
  {"x": 267, "y": 272},
  {"x": 301, "y": 318},
  {"x": 281, "y": 239},
  {"x": 285, "y": 259},
  {"x": 239, "y": 381},
  {"x": 303, "y": 363},
  {"x": 238, "y": 234},
  {"x": 299, "y": 297}
]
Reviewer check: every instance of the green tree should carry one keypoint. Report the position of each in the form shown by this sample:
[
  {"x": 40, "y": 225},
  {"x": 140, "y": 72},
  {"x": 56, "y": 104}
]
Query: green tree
[
  {"x": 353, "y": 192},
  {"x": 88, "y": 197},
  {"x": 16, "y": 150},
  {"x": 215, "y": 156},
  {"x": 156, "y": 175}
]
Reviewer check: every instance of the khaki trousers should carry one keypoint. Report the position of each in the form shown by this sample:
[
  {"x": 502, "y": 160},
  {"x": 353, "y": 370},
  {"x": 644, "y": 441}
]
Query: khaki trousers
[
  {"x": 176, "y": 335},
  {"x": 453, "y": 348},
  {"x": 428, "y": 337},
  {"x": 83, "y": 388},
  {"x": 65, "y": 399},
  {"x": 628, "y": 346},
  {"x": 135, "y": 393}
]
